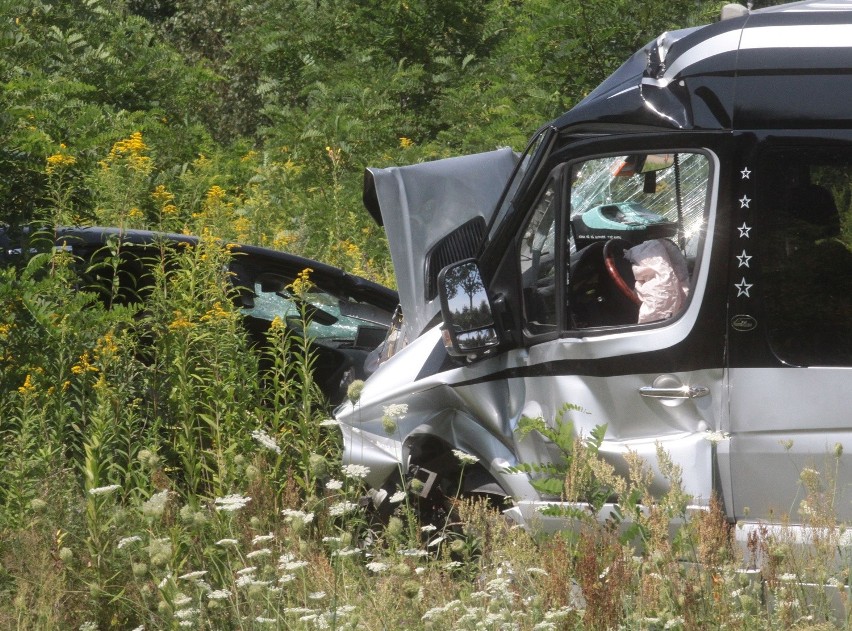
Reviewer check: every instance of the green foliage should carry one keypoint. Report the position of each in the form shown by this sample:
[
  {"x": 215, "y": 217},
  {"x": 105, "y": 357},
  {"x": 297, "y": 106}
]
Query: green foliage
[
  {"x": 282, "y": 103},
  {"x": 150, "y": 456},
  {"x": 571, "y": 478}
]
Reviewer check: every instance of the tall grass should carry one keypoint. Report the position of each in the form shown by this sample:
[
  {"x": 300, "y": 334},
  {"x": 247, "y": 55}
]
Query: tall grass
[{"x": 156, "y": 474}]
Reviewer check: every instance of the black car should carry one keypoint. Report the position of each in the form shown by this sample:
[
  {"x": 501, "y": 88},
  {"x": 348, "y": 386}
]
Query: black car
[{"x": 349, "y": 316}]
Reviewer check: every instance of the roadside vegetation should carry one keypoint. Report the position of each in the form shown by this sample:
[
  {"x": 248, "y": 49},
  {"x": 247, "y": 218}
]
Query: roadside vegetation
[{"x": 156, "y": 474}]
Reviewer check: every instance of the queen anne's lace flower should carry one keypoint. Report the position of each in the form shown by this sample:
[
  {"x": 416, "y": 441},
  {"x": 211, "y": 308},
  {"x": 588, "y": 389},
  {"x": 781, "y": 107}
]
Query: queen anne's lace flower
[
  {"x": 464, "y": 457},
  {"x": 104, "y": 490},
  {"x": 395, "y": 410},
  {"x": 355, "y": 471},
  {"x": 231, "y": 503},
  {"x": 341, "y": 508},
  {"x": 126, "y": 541},
  {"x": 266, "y": 440}
]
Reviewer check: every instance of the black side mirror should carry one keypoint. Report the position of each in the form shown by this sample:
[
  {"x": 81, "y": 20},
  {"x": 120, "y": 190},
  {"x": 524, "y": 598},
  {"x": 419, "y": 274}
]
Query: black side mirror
[{"x": 468, "y": 327}]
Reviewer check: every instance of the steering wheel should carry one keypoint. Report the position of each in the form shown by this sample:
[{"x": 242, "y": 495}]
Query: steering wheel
[{"x": 611, "y": 247}]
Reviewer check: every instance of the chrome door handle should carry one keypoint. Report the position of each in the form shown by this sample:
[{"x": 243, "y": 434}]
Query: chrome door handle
[{"x": 682, "y": 392}]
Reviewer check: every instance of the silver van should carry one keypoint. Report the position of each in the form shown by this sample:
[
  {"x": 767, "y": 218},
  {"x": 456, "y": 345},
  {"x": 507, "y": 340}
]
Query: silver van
[{"x": 672, "y": 256}]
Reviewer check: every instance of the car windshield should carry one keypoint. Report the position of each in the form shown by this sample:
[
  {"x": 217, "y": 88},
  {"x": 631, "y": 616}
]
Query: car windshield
[
  {"x": 330, "y": 320},
  {"x": 670, "y": 188}
]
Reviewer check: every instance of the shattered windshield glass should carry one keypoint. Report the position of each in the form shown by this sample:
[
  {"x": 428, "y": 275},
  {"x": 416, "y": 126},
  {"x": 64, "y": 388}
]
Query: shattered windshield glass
[{"x": 670, "y": 186}]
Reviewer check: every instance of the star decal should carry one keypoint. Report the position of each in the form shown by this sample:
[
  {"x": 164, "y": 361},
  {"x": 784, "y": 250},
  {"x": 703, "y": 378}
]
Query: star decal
[
  {"x": 744, "y": 259},
  {"x": 745, "y": 173},
  {"x": 744, "y": 202},
  {"x": 743, "y": 287},
  {"x": 744, "y": 230}
]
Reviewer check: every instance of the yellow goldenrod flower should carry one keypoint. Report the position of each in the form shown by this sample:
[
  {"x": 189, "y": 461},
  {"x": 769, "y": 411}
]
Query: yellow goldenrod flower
[
  {"x": 84, "y": 365},
  {"x": 180, "y": 322},
  {"x": 215, "y": 313},
  {"x": 129, "y": 151},
  {"x": 215, "y": 193},
  {"x": 161, "y": 195},
  {"x": 59, "y": 160},
  {"x": 28, "y": 386},
  {"x": 405, "y": 143},
  {"x": 303, "y": 282}
]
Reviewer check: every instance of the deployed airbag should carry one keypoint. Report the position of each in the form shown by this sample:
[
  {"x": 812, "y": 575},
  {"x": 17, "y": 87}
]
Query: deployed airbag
[{"x": 662, "y": 279}]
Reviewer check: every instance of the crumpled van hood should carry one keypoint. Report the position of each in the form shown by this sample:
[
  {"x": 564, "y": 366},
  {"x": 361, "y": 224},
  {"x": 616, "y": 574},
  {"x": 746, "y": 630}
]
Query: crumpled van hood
[{"x": 420, "y": 204}]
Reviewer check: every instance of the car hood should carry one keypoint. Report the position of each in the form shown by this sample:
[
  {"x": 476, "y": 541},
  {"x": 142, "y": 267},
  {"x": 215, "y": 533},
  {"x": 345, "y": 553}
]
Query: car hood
[{"x": 419, "y": 205}]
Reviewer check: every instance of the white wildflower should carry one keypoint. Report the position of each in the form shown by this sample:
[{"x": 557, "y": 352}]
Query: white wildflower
[
  {"x": 231, "y": 502},
  {"x": 262, "y": 552},
  {"x": 290, "y": 566},
  {"x": 186, "y": 623},
  {"x": 674, "y": 622},
  {"x": 191, "y": 575},
  {"x": 345, "y": 552},
  {"x": 227, "y": 542},
  {"x": 290, "y": 514},
  {"x": 262, "y": 539},
  {"x": 377, "y": 566},
  {"x": 716, "y": 437},
  {"x": 89, "y": 626},
  {"x": 155, "y": 506},
  {"x": 266, "y": 440},
  {"x": 537, "y": 571},
  {"x": 464, "y": 457},
  {"x": 395, "y": 410},
  {"x": 559, "y": 614},
  {"x": 184, "y": 614},
  {"x": 126, "y": 541},
  {"x": 413, "y": 552},
  {"x": 247, "y": 570},
  {"x": 334, "y": 485},
  {"x": 429, "y": 528},
  {"x": 431, "y": 613},
  {"x": 316, "y": 595},
  {"x": 139, "y": 628},
  {"x": 244, "y": 581},
  {"x": 165, "y": 580},
  {"x": 397, "y": 497},
  {"x": 104, "y": 490},
  {"x": 787, "y": 577},
  {"x": 419, "y": 570},
  {"x": 356, "y": 471},
  {"x": 341, "y": 508},
  {"x": 331, "y": 539},
  {"x": 451, "y": 565},
  {"x": 263, "y": 620},
  {"x": 181, "y": 600},
  {"x": 286, "y": 578}
]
